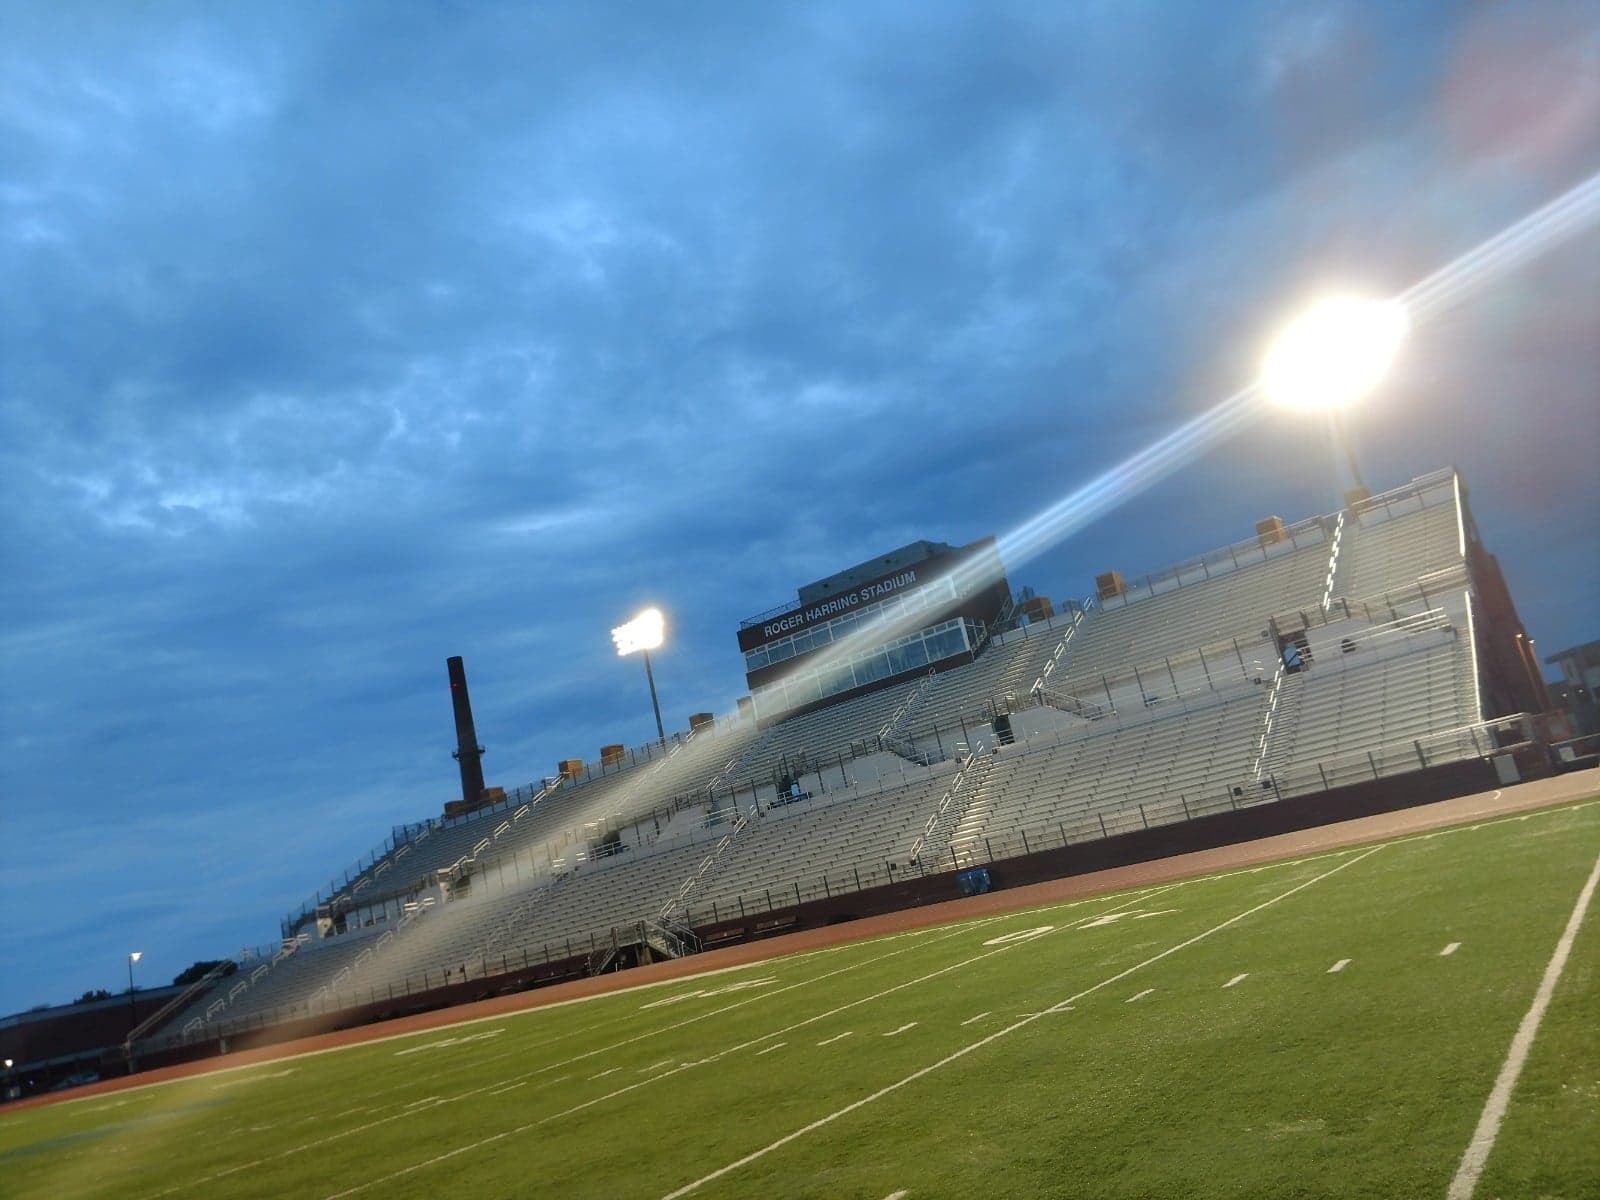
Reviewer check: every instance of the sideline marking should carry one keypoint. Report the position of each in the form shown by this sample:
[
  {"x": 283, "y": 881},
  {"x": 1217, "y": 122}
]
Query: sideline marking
[
  {"x": 603, "y": 1074},
  {"x": 902, "y": 1029},
  {"x": 1237, "y": 979},
  {"x": 771, "y": 1048},
  {"x": 979, "y": 1017},
  {"x": 838, "y": 1037},
  {"x": 1338, "y": 966},
  {"x": 1138, "y": 995},
  {"x": 1494, "y": 1109},
  {"x": 1450, "y": 949},
  {"x": 665, "y": 1062},
  {"x": 1012, "y": 1028}
]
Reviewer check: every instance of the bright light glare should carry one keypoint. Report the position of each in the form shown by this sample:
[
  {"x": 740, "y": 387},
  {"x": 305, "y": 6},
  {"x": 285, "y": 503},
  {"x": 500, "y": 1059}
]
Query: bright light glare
[
  {"x": 136, "y": 956},
  {"x": 1335, "y": 353},
  {"x": 644, "y": 632}
]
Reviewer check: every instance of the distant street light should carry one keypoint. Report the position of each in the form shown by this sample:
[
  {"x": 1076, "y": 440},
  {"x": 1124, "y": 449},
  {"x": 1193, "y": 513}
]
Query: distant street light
[
  {"x": 1333, "y": 356},
  {"x": 133, "y": 1013},
  {"x": 644, "y": 633}
]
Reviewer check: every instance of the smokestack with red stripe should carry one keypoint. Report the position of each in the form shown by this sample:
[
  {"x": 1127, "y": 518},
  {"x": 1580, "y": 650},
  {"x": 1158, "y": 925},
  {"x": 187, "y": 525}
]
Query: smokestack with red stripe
[{"x": 467, "y": 753}]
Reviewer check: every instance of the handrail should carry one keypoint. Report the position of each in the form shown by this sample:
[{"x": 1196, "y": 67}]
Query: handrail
[
  {"x": 981, "y": 747},
  {"x": 897, "y": 718},
  {"x": 181, "y": 1000},
  {"x": 1061, "y": 647}
]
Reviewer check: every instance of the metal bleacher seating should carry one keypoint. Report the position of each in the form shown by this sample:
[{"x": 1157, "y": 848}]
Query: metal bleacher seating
[{"x": 1162, "y": 704}]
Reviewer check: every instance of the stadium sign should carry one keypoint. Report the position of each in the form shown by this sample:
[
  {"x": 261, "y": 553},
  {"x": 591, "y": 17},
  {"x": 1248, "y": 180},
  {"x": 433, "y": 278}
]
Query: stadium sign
[{"x": 865, "y": 594}]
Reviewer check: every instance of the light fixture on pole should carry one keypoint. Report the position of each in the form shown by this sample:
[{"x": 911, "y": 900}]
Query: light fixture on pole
[
  {"x": 1334, "y": 355},
  {"x": 645, "y": 633}
]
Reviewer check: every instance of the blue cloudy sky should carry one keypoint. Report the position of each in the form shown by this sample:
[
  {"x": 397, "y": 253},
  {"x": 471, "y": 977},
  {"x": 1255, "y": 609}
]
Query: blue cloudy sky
[{"x": 338, "y": 339}]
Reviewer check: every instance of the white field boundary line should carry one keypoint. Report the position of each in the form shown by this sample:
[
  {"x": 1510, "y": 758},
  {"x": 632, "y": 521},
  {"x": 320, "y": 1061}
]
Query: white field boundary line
[
  {"x": 1494, "y": 1109},
  {"x": 745, "y": 1045},
  {"x": 1009, "y": 1029}
]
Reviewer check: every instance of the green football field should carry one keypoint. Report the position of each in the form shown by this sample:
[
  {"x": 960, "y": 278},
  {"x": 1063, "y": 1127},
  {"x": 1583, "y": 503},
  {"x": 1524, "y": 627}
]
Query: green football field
[{"x": 1326, "y": 1027}]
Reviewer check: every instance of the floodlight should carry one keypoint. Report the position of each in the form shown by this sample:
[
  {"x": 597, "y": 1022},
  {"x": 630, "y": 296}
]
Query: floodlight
[
  {"x": 136, "y": 956},
  {"x": 1335, "y": 353},
  {"x": 644, "y": 632}
]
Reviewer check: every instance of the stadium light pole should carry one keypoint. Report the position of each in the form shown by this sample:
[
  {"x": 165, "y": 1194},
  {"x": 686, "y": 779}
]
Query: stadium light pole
[
  {"x": 133, "y": 1012},
  {"x": 1332, "y": 356},
  {"x": 645, "y": 633}
]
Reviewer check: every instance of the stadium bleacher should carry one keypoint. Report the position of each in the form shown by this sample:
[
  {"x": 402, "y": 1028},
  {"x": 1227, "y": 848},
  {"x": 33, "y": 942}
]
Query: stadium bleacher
[{"x": 1341, "y": 648}]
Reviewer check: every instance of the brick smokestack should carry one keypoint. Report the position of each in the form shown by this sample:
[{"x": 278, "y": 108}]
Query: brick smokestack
[{"x": 467, "y": 753}]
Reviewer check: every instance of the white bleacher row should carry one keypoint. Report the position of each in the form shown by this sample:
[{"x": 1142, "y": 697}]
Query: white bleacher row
[
  {"x": 1106, "y": 766},
  {"x": 1412, "y": 695},
  {"x": 1234, "y": 605},
  {"x": 1399, "y": 538},
  {"x": 1079, "y": 777}
]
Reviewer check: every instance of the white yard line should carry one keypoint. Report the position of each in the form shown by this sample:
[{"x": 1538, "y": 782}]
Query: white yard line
[
  {"x": 1338, "y": 966},
  {"x": 1138, "y": 995},
  {"x": 771, "y": 1048},
  {"x": 1494, "y": 1110},
  {"x": 902, "y": 1029},
  {"x": 1237, "y": 979},
  {"x": 622, "y": 1091},
  {"x": 1009, "y": 1029},
  {"x": 1450, "y": 949},
  {"x": 979, "y": 1017},
  {"x": 838, "y": 1037}
]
